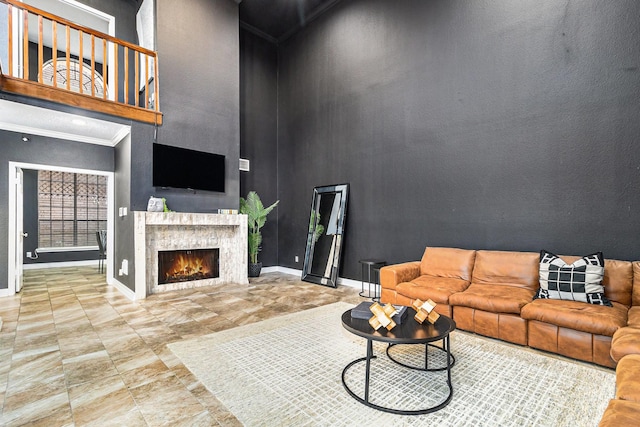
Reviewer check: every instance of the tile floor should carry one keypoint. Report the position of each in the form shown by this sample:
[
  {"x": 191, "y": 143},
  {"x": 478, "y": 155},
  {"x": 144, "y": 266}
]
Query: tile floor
[{"x": 75, "y": 351}]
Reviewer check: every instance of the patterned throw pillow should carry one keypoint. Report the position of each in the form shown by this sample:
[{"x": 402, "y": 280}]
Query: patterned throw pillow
[{"x": 580, "y": 281}]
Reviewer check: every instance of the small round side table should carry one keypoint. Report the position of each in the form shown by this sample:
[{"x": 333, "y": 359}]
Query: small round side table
[{"x": 370, "y": 268}]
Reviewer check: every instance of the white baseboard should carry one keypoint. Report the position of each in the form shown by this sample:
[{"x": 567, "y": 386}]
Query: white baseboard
[
  {"x": 131, "y": 294},
  {"x": 124, "y": 290},
  {"x": 285, "y": 270},
  {"x": 341, "y": 280},
  {"x": 349, "y": 282},
  {"x": 40, "y": 265}
]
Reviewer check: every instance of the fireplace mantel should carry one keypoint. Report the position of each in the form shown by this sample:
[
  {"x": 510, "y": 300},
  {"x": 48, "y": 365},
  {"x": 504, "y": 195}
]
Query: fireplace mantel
[
  {"x": 155, "y": 231},
  {"x": 183, "y": 218}
]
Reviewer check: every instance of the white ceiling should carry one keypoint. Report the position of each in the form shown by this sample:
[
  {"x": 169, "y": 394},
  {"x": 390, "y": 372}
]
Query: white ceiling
[{"x": 32, "y": 120}]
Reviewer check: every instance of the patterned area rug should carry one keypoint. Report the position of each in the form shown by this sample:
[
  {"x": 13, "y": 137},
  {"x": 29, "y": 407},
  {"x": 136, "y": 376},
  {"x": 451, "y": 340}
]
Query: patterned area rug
[{"x": 287, "y": 371}]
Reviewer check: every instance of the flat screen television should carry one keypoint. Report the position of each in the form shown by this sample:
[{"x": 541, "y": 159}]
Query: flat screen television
[{"x": 175, "y": 167}]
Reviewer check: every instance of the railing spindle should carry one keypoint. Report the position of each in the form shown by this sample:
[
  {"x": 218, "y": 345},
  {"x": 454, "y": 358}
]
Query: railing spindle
[
  {"x": 93, "y": 65},
  {"x": 68, "y": 36},
  {"x": 104, "y": 68},
  {"x": 126, "y": 73},
  {"x": 10, "y": 25},
  {"x": 156, "y": 91},
  {"x": 80, "y": 60},
  {"x": 25, "y": 45},
  {"x": 54, "y": 53},
  {"x": 137, "y": 78},
  {"x": 146, "y": 81},
  {"x": 40, "y": 47},
  {"x": 115, "y": 72}
]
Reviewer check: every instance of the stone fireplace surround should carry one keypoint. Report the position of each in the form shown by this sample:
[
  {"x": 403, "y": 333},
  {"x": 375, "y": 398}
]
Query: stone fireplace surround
[{"x": 158, "y": 231}]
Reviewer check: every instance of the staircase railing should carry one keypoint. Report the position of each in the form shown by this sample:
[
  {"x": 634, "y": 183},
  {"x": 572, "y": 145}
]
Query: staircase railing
[{"x": 52, "y": 58}]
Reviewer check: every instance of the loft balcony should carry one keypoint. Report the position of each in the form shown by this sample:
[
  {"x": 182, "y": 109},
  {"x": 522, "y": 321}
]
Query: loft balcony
[{"x": 51, "y": 58}]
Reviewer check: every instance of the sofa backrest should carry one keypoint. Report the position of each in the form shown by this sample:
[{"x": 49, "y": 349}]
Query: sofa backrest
[
  {"x": 448, "y": 262},
  {"x": 617, "y": 281},
  {"x": 518, "y": 269}
]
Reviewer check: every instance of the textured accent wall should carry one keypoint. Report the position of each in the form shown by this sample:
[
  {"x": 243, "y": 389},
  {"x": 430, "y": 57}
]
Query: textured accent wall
[
  {"x": 198, "y": 50},
  {"x": 259, "y": 132},
  {"x": 485, "y": 124}
]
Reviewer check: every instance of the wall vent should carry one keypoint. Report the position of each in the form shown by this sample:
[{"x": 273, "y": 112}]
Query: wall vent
[{"x": 244, "y": 165}]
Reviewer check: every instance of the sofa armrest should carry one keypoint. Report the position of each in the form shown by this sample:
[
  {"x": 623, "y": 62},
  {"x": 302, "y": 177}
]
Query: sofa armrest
[{"x": 391, "y": 275}]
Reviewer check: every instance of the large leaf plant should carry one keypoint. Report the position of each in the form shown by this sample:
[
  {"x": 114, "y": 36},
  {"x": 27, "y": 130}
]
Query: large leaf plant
[{"x": 256, "y": 216}]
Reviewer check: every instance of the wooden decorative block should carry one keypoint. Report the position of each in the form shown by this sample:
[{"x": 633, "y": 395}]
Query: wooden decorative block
[
  {"x": 425, "y": 310},
  {"x": 382, "y": 316}
]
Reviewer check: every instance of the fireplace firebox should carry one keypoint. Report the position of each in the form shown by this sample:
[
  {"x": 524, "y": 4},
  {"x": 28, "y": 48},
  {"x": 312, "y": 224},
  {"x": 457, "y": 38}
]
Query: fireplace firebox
[{"x": 188, "y": 265}]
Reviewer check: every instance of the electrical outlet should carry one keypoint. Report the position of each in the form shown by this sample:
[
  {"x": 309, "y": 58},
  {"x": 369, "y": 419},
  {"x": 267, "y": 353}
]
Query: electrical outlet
[
  {"x": 125, "y": 267},
  {"x": 297, "y": 259},
  {"x": 28, "y": 254}
]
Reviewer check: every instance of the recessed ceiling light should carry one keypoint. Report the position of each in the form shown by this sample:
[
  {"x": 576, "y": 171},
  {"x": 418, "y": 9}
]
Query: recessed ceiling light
[
  {"x": 25, "y": 139},
  {"x": 78, "y": 122}
]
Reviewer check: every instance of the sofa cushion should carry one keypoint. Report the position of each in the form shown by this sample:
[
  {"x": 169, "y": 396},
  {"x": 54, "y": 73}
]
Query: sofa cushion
[
  {"x": 579, "y": 316},
  {"x": 624, "y": 342},
  {"x": 447, "y": 262},
  {"x": 628, "y": 378},
  {"x": 580, "y": 281},
  {"x": 618, "y": 281},
  {"x": 633, "y": 317},
  {"x": 493, "y": 298},
  {"x": 515, "y": 269},
  {"x": 437, "y": 289},
  {"x": 621, "y": 413}
]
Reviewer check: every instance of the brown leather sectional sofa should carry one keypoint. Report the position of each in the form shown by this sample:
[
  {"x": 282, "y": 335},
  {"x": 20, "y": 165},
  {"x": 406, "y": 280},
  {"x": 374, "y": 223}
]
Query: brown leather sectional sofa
[{"x": 491, "y": 293}]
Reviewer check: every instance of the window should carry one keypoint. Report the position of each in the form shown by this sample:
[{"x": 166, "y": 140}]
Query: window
[
  {"x": 71, "y": 208},
  {"x": 59, "y": 68}
]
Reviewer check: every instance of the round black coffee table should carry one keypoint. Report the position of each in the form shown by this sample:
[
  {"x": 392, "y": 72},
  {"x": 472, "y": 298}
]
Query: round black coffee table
[{"x": 408, "y": 332}]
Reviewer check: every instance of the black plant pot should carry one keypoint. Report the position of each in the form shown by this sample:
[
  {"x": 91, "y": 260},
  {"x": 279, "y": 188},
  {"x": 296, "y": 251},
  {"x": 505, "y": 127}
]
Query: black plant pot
[{"x": 254, "y": 269}]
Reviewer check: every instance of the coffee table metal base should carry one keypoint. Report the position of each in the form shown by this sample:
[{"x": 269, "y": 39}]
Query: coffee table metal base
[{"x": 365, "y": 400}]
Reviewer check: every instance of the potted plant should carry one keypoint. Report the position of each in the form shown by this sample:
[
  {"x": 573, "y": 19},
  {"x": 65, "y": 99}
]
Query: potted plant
[{"x": 256, "y": 216}]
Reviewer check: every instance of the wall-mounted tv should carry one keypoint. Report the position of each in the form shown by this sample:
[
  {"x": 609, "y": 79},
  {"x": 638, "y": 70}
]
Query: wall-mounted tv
[{"x": 176, "y": 167}]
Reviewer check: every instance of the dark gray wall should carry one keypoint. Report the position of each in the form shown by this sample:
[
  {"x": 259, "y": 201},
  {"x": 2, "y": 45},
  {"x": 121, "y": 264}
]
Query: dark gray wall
[
  {"x": 259, "y": 132},
  {"x": 124, "y": 227},
  {"x": 47, "y": 151},
  {"x": 30, "y": 226},
  {"x": 484, "y": 124},
  {"x": 198, "y": 47}
]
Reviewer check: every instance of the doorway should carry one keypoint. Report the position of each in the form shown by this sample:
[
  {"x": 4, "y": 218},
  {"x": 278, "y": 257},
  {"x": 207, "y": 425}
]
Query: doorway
[{"x": 15, "y": 233}]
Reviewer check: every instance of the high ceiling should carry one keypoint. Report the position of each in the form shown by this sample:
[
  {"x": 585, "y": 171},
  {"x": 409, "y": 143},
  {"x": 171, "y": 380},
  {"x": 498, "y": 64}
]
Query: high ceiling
[{"x": 279, "y": 19}]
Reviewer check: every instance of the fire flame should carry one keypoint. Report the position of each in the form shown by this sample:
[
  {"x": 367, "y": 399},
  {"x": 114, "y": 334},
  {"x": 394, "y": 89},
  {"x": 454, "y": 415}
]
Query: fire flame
[{"x": 185, "y": 267}]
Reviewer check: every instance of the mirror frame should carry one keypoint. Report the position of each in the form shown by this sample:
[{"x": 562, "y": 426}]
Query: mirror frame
[{"x": 307, "y": 275}]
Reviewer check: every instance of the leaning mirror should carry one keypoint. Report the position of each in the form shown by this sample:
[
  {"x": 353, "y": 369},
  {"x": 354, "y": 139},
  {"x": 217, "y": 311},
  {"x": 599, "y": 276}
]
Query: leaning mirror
[{"x": 326, "y": 230}]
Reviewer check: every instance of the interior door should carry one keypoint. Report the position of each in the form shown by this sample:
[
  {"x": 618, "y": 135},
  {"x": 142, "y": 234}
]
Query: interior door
[{"x": 19, "y": 230}]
